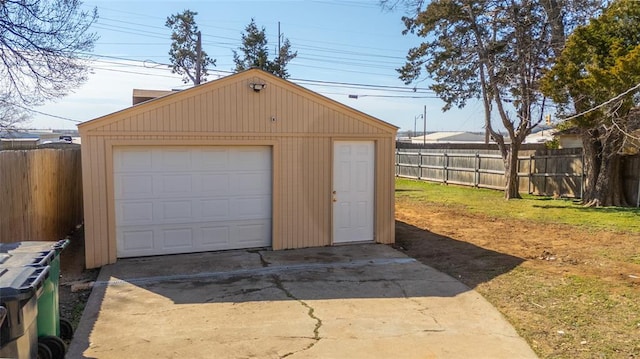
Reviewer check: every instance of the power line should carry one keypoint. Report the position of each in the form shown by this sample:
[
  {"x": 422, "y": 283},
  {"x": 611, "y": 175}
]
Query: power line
[
  {"x": 603, "y": 104},
  {"x": 394, "y": 96},
  {"x": 359, "y": 84},
  {"x": 236, "y": 30},
  {"x": 48, "y": 114},
  {"x": 351, "y": 85},
  {"x": 353, "y": 61}
]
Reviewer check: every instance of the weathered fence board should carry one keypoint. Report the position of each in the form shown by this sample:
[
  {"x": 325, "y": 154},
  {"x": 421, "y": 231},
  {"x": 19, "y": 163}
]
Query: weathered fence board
[
  {"x": 540, "y": 171},
  {"x": 40, "y": 193},
  {"x": 631, "y": 178}
]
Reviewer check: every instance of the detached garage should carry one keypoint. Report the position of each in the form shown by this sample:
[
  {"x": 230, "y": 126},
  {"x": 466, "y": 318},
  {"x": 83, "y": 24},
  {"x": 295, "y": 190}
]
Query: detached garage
[{"x": 249, "y": 160}]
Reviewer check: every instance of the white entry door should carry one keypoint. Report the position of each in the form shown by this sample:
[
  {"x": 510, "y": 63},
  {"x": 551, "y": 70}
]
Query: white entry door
[
  {"x": 353, "y": 185},
  {"x": 191, "y": 199}
]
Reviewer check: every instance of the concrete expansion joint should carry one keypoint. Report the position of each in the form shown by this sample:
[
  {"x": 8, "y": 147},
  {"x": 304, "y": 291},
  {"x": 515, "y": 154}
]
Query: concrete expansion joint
[
  {"x": 237, "y": 293},
  {"x": 310, "y": 312}
]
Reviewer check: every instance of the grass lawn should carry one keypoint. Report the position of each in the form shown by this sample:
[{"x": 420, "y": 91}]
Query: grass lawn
[
  {"x": 491, "y": 203},
  {"x": 567, "y": 277}
]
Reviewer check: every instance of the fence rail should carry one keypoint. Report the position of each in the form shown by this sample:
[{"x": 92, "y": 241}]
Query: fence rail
[
  {"x": 41, "y": 192},
  {"x": 540, "y": 172}
]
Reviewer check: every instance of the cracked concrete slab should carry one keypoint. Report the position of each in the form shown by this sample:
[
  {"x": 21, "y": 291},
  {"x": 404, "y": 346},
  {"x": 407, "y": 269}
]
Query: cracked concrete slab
[{"x": 359, "y": 301}]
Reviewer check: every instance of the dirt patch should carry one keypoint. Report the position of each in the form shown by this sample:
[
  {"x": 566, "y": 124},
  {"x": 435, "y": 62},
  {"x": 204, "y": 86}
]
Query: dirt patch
[
  {"x": 72, "y": 274},
  {"x": 570, "y": 292}
]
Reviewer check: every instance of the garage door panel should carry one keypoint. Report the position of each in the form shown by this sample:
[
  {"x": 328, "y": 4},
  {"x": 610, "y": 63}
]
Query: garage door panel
[
  {"x": 173, "y": 160},
  {"x": 196, "y": 237},
  {"x": 192, "y": 199},
  {"x": 179, "y": 184},
  {"x": 214, "y": 183},
  {"x": 250, "y": 160},
  {"x": 250, "y": 208},
  {"x": 136, "y": 240},
  {"x": 176, "y": 210},
  {"x": 214, "y": 160},
  {"x": 134, "y": 186},
  {"x": 250, "y": 183},
  {"x": 252, "y": 232},
  {"x": 215, "y": 209},
  {"x": 177, "y": 238},
  {"x": 215, "y": 237},
  {"x": 130, "y": 213},
  {"x": 135, "y": 160}
]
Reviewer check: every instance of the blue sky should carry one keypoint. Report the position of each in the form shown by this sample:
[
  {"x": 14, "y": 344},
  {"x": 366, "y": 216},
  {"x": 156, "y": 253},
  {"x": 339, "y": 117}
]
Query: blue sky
[{"x": 353, "y": 42}]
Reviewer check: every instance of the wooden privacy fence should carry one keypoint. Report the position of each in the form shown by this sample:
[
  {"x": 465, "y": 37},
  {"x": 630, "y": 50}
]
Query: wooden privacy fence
[
  {"x": 540, "y": 172},
  {"x": 41, "y": 194}
]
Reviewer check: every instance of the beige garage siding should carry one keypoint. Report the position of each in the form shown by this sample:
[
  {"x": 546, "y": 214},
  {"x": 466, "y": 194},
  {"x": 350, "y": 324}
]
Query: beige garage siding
[{"x": 298, "y": 124}]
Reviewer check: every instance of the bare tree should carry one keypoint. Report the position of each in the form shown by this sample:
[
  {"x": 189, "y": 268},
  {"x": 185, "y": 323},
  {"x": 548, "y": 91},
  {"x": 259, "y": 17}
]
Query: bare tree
[
  {"x": 44, "y": 47},
  {"x": 493, "y": 50},
  {"x": 11, "y": 116}
]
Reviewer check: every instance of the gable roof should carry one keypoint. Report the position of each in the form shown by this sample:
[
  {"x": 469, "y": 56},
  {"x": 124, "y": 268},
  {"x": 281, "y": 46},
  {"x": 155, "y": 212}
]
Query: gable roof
[{"x": 237, "y": 77}]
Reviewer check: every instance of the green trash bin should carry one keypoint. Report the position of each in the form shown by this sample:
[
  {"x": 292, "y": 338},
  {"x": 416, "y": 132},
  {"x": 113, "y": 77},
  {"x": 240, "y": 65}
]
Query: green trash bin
[{"x": 49, "y": 321}]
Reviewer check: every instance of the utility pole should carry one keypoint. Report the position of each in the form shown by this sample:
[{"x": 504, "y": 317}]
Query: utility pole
[
  {"x": 198, "y": 59},
  {"x": 279, "y": 36}
]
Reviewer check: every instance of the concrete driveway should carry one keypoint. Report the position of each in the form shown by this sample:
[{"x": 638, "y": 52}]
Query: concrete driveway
[{"x": 358, "y": 301}]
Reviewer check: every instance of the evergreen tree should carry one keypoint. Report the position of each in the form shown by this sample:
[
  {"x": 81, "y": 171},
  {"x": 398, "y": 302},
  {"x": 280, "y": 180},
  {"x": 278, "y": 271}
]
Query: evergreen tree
[
  {"x": 254, "y": 52},
  {"x": 599, "y": 62},
  {"x": 184, "y": 48}
]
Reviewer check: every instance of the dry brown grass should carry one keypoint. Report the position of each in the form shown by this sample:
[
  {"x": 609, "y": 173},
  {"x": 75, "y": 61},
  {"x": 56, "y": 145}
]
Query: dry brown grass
[{"x": 570, "y": 291}]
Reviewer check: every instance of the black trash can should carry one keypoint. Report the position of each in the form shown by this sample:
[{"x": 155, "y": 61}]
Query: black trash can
[{"x": 19, "y": 291}]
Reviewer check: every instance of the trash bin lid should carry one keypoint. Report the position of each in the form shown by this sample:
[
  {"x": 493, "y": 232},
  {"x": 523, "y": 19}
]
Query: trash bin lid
[
  {"x": 19, "y": 283},
  {"x": 41, "y": 258},
  {"x": 33, "y": 246}
]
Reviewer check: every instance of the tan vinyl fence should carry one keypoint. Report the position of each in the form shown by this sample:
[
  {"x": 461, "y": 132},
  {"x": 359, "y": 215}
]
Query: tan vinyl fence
[
  {"x": 540, "y": 171},
  {"x": 40, "y": 194}
]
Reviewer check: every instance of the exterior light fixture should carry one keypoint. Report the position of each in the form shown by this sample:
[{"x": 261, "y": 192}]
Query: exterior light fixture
[{"x": 257, "y": 87}]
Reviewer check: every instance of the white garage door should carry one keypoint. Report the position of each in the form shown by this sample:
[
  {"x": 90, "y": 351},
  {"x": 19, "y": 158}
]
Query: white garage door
[{"x": 191, "y": 199}]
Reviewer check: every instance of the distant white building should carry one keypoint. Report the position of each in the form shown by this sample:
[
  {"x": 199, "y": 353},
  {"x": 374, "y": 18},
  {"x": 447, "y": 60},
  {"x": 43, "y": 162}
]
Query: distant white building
[
  {"x": 541, "y": 136},
  {"x": 569, "y": 138},
  {"x": 31, "y": 138},
  {"x": 450, "y": 137}
]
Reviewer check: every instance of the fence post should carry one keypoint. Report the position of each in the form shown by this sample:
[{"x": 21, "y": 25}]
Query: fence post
[
  {"x": 445, "y": 166},
  {"x": 582, "y": 175},
  {"x": 397, "y": 162},
  {"x": 476, "y": 177},
  {"x": 638, "y": 199},
  {"x": 419, "y": 164},
  {"x": 531, "y": 158},
  {"x": 544, "y": 183}
]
